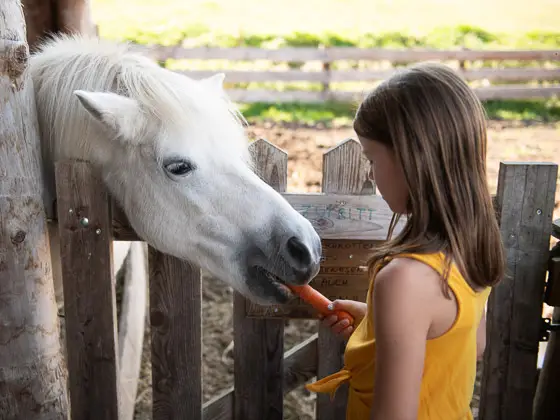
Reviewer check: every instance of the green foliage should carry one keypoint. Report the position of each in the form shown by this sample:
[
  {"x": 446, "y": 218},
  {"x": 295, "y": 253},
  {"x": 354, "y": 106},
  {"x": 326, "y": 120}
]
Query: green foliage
[
  {"x": 329, "y": 113},
  {"x": 533, "y": 110},
  {"x": 341, "y": 114},
  {"x": 441, "y": 37}
]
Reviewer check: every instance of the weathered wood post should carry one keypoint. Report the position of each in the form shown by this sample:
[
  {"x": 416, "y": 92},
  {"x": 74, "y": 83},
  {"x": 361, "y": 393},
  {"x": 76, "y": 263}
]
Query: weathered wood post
[
  {"x": 259, "y": 343},
  {"x": 340, "y": 177},
  {"x": 525, "y": 202},
  {"x": 44, "y": 17},
  {"x": 32, "y": 373}
]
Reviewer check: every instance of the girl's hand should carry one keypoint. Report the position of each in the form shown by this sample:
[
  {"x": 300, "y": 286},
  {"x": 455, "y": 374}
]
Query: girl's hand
[{"x": 342, "y": 327}]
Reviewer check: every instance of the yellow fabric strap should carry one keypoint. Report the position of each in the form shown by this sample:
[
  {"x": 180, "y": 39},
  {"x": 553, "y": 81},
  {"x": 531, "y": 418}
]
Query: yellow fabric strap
[{"x": 329, "y": 384}]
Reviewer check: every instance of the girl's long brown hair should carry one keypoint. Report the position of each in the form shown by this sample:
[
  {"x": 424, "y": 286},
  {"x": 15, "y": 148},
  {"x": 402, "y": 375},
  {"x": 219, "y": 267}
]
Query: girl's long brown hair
[{"x": 436, "y": 126}]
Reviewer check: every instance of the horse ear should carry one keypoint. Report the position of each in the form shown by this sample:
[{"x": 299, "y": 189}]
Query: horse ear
[
  {"x": 121, "y": 115},
  {"x": 216, "y": 81}
]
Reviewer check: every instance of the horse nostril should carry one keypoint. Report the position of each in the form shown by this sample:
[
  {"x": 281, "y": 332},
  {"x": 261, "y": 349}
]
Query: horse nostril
[{"x": 298, "y": 251}]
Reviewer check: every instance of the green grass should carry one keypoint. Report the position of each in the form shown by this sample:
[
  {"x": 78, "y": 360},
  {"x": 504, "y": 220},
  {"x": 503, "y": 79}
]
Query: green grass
[
  {"x": 530, "y": 110},
  {"x": 329, "y": 113},
  {"x": 363, "y": 23},
  {"x": 341, "y": 114}
]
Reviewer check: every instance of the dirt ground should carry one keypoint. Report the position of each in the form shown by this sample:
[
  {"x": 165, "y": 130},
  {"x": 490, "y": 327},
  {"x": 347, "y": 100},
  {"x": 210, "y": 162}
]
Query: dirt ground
[{"x": 518, "y": 141}]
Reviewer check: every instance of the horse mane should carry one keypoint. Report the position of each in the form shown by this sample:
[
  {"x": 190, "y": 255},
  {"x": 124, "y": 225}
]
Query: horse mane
[{"x": 64, "y": 63}]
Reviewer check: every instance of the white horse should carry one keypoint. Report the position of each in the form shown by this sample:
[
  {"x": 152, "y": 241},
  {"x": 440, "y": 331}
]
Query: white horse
[{"x": 173, "y": 153}]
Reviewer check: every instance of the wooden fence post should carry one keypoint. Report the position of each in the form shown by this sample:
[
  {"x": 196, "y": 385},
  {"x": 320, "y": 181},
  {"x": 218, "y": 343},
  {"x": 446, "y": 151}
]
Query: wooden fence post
[
  {"x": 259, "y": 343},
  {"x": 525, "y": 202},
  {"x": 32, "y": 371},
  {"x": 55, "y": 16},
  {"x": 84, "y": 225},
  {"x": 344, "y": 172},
  {"x": 176, "y": 327}
]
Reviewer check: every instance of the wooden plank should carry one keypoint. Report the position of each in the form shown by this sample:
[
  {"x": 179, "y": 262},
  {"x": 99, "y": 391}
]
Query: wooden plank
[
  {"x": 490, "y": 74},
  {"x": 345, "y": 171},
  {"x": 329, "y": 54},
  {"x": 32, "y": 366},
  {"x": 89, "y": 300},
  {"x": 547, "y": 395},
  {"x": 526, "y": 202},
  {"x": 300, "y": 365},
  {"x": 346, "y": 252},
  {"x": 240, "y": 76},
  {"x": 176, "y": 327},
  {"x": 263, "y": 95},
  {"x": 511, "y": 74},
  {"x": 259, "y": 343},
  {"x": 219, "y": 407},
  {"x": 484, "y": 94},
  {"x": 131, "y": 329},
  {"x": 338, "y": 216},
  {"x": 516, "y": 92}
]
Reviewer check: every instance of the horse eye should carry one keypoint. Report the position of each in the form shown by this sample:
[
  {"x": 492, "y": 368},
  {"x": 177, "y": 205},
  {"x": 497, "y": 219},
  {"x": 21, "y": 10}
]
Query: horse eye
[{"x": 178, "y": 167}]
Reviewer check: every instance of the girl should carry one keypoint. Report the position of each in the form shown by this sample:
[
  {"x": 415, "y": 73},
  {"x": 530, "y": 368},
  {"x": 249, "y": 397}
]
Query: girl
[{"x": 413, "y": 353}]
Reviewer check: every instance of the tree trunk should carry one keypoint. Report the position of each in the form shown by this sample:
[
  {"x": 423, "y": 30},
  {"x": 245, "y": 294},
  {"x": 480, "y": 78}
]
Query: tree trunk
[
  {"x": 32, "y": 371},
  {"x": 48, "y": 17}
]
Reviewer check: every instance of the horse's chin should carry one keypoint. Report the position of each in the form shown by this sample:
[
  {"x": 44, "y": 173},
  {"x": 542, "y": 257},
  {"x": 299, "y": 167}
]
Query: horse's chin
[{"x": 267, "y": 289}]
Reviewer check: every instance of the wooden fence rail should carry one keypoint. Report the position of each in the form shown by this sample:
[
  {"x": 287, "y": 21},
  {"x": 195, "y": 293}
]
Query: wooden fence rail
[
  {"x": 331, "y": 54},
  {"x": 487, "y": 77},
  {"x": 350, "y": 220}
]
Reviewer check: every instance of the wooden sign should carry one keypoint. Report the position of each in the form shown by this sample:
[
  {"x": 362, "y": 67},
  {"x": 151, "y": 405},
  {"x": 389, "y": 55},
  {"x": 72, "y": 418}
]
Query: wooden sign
[
  {"x": 343, "y": 275},
  {"x": 340, "y": 216}
]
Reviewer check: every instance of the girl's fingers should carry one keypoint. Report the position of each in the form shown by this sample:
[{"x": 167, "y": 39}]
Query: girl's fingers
[
  {"x": 348, "y": 332},
  {"x": 330, "y": 320},
  {"x": 340, "y": 326},
  {"x": 354, "y": 308}
]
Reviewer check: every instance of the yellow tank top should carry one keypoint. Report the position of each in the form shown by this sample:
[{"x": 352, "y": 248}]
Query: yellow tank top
[{"x": 450, "y": 359}]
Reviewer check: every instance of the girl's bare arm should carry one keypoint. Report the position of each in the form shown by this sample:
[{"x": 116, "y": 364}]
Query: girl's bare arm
[{"x": 403, "y": 306}]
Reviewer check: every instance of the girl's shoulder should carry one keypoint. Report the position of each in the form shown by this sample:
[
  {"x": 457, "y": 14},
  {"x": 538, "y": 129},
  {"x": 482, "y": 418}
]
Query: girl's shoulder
[{"x": 405, "y": 277}]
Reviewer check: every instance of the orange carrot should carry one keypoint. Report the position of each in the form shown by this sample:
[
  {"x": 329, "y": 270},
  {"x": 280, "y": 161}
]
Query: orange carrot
[{"x": 319, "y": 301}]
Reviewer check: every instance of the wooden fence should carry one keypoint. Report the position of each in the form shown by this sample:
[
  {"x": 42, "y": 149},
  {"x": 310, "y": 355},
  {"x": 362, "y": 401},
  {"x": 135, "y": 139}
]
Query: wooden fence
[
  {"x": 529, "y": 81},
  {"x": 351, "y": 220}
]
